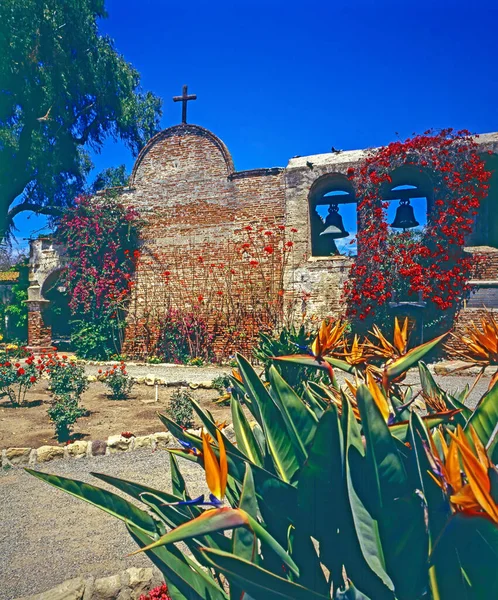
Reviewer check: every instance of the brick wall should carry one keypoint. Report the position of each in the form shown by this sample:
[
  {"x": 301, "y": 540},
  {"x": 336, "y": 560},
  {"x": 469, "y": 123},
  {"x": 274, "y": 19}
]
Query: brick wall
[{"x": 193, "y": 203}]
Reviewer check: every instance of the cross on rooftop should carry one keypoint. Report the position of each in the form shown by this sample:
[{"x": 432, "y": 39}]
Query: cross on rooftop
[{"x": 184, "y": 98}]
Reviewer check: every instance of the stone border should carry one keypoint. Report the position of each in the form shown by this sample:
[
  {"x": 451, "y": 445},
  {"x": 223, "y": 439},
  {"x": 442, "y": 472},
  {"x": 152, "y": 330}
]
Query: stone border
[
  {"x": 128, "y": 585},
  {"x": 15, "y": 456},
  {"x": 152, "y": 380},
  {"x": 19, "y": 456}
]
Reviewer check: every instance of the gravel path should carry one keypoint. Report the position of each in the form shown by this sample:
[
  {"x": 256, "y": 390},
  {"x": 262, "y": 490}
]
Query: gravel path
[
  {"x": 171, "y": 373},
  {"x": 48, "y": 536}
]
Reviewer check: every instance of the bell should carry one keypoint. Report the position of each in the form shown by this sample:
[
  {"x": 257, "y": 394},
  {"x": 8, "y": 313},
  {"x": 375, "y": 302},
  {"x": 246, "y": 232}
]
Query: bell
[
  {"x": 405, "y": 217},
  {"x": 333, "y": 224}
]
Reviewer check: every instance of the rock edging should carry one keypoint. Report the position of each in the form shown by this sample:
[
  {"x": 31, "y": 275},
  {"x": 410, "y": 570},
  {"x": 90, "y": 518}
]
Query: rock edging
[
  {"x": 126, "y": 585},
  {"x": 19, "y": 456}
]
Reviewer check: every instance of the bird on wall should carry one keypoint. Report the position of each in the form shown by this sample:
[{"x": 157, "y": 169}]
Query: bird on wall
[
  {"x": 335, "y": 150},
  {"x": 309, "y": 164}
]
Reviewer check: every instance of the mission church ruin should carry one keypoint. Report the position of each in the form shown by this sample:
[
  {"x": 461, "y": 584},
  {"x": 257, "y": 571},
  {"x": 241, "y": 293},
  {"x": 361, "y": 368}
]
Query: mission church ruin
[{"x": 185, "y": 186}]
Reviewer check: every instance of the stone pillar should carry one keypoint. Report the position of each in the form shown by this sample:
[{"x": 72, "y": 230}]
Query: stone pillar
[{"x": 39, "y": 334}]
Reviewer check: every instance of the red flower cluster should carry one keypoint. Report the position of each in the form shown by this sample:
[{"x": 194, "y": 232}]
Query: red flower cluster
[
  {"x": 158, "y": 593},
  {"x": 100, "y": 240},
  {"x": 434, "y": 265}
]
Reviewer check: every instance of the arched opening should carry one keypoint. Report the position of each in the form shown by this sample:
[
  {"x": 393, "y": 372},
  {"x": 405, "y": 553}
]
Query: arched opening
[
  {"x": 410, "y": 197},
  {"x": 57, "y": 314},
  {"x": 333, "y": 217}
]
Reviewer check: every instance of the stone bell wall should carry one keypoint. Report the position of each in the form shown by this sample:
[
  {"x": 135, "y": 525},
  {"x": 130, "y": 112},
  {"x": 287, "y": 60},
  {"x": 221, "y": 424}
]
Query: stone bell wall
[{"x": 192, "y": 200}]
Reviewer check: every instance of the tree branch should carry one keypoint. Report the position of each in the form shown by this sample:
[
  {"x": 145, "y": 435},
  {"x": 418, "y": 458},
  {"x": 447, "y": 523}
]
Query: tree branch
[{"x": 52, "y": 211}]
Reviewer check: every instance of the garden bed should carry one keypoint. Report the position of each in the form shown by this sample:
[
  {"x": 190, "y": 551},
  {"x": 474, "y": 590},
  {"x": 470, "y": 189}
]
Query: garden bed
[{"x": 29, "y": 425}]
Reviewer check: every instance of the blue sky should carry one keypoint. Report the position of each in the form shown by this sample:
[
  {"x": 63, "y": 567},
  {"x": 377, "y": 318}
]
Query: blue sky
[{"x": 277, "y": 79}]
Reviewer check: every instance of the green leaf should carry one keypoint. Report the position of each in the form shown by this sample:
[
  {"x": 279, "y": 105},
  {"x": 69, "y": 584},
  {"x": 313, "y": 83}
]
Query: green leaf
[
  {"x": 376, "y": 582},
  {"x": 177, "y": 479},
  {"x": 244, "y": 435},
  {"x": 396, "y": 503},
  {"x": 256, "y": 581},
  {"x": 107, "y": 501},
  {"x": 411, "y": 358},
  {"x": 300, "y": 420},
  {"x": 221, "y": 519},
  {"x": 244, "y": 541},
  {"x": 306, "y": 360},
  {"x": 184, "y": 579},
  {"x": 467, "y": 555},
  {"x": 277, "y": 438},
  {"x": 485, "y": 422}
]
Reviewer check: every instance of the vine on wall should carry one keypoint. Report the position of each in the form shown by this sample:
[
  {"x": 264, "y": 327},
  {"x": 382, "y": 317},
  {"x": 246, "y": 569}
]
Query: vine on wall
[{"x": 432, "y": 264}]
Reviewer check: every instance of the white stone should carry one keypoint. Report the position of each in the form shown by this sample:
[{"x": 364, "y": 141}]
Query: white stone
[
  {"x": 118, "y": 443},
  {"x": 163, "y": 439},
  {"x": 143, "y": 441},
  {"x": 46, "y": 453},
  {"x": 150, "y": 379},
  {"x": 18, "y": 456},
  {"x": 78, "y": 448}
]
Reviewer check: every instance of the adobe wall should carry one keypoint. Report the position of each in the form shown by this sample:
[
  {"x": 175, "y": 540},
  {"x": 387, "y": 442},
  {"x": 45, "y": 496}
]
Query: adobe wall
[{"x": 192, "y": 200}]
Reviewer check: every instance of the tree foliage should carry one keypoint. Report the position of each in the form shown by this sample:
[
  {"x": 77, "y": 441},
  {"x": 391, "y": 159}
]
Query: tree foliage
[{"x": 64, "y": 89}]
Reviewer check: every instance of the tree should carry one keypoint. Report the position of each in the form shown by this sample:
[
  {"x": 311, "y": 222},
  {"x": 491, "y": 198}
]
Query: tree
[
  {"x": 110, "y": 178},
  {"x": 63, "y": 90}
]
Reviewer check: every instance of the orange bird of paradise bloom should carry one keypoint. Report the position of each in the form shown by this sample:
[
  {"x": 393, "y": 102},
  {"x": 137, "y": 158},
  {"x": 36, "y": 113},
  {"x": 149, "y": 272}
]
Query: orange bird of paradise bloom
[
  {"x": 216, "y": 471},
  {"x": 464, "y": 474}
]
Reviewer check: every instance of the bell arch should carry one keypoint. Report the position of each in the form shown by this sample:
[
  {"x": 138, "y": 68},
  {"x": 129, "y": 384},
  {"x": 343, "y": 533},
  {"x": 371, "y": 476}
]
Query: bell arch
[
  {"x": 413, "y": 189},
  {"x": 333, "y": 215}
]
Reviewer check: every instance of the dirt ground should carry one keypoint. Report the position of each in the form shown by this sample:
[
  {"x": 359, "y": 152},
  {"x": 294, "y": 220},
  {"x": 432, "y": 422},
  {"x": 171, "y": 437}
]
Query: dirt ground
[{"x": 30, "y": 426}]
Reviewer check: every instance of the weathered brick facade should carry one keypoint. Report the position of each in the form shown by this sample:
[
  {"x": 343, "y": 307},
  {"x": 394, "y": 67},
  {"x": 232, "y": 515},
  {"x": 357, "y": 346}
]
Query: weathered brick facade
[{"x": 193, "y": 203}]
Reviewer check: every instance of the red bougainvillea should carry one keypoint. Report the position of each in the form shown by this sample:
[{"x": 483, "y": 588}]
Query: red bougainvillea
[
  {"x": 101, "y": 239},
  {"x": 433, "y": 263}
]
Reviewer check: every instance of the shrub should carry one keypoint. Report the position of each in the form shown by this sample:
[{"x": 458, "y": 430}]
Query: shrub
[
  {"x": 65, "y": 376},
  {"x": 154, "y": 360},
  {"x": 185, "y": 336},
  {"x": 16, "y": 378},
  {"x": 346, "y": 494},
  {"x": 222, "y": 384},
  {"x": 290, "y": 340},
  {"x": 64, "y": 412},
  {"x": 67, "y": 384},
  {"x": 180, "y": 408},
  {"x": 118, "y": 381},
  {"x": 93, "y": 339}
]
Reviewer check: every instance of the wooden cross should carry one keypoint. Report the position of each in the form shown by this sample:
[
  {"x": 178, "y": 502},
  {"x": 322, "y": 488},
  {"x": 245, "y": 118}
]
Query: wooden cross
[{"x": 184, "y": 98}]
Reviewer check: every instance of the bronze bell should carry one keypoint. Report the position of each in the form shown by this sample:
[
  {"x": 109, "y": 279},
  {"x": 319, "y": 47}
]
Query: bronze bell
[
  {"x": 405, "y": 217},
  {"x": 333, "y": 224}
]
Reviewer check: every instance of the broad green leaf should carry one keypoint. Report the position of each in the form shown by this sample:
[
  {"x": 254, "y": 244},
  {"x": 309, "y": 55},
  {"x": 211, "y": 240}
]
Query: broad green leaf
[
  {"x": 177, "y": 479},
  {"x": 396, "y": 503},
  {"x": 468, "y": 548},
  {"x": 221, "y": 519},
  {"x": 307, "y": 360},
  {"x": 244, "y": 435},
  {"x": 300, "y": 420},
  {"x": 376, "y": 582},
  {"x": 256, "y": 581},
  {"x": 321, "y": 492},
  {"x": 244, "y": 541},
  {"x": 185, "y": 580},
  {"x": 107, "y": 501},
  {"x": 411, "y": 358},
  {"x": 400, "y": 430},
  {"x": 277, "y": 437},
  {"x": 211, "y": 428},
  {"x": 485, "y": 422}
]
